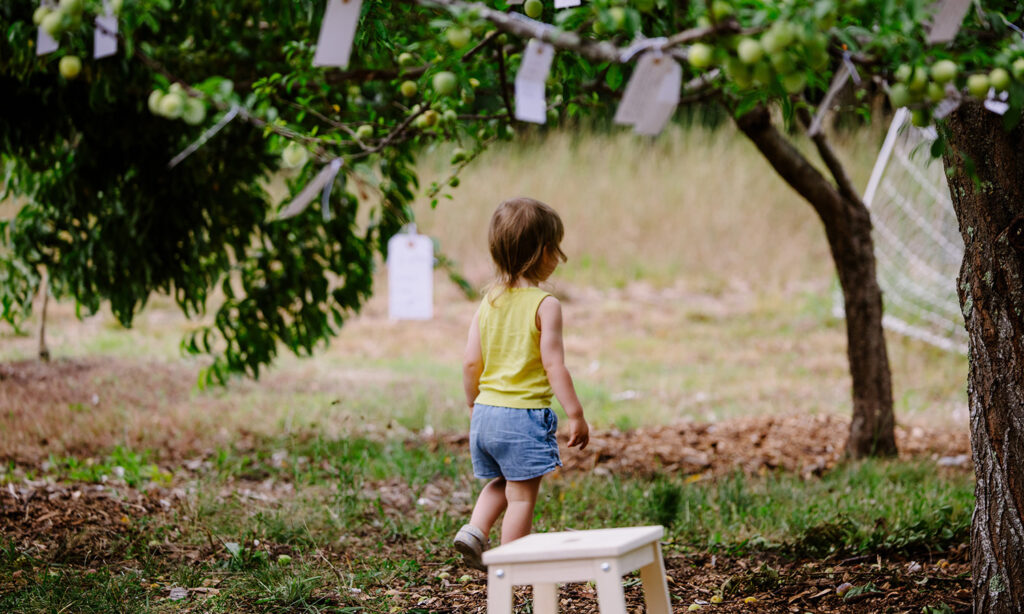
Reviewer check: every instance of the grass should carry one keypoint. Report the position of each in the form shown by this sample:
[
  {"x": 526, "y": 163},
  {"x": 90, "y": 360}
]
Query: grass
[{"x": 342, "y": 498}]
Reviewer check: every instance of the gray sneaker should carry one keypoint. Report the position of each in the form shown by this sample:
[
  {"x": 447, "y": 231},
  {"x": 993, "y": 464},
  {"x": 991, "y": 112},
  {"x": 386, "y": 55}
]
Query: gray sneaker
[{"x": 471, "y": 543}]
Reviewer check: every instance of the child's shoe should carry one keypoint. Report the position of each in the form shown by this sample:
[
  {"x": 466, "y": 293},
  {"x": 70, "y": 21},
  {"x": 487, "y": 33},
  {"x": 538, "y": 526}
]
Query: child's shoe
[{"x": 471, "y": 543}]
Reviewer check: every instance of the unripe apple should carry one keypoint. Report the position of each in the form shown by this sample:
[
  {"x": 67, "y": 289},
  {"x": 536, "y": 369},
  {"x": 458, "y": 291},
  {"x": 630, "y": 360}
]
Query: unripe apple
[
  {"x": 919, "y": 81},
  {"x": 72, "y": 7},
  {"x": 700, "y": 55},
  {"x": 999, "y": 78},
  {"x": 445, "y": 83},
  {"x": 364, "y": 132},
  {"x": 978, "y": 85},
  {"x": 115, "y": 6},
  {"x": 468, "y": 96},
  {"x": 430, "y": 117},
  {"x": 172, "y": 105},
  {"x": 782, "y": 63},
  {"x": 533, "y": 8},
  {"x": 294, "y": 155},
  {"x": 944, "y": 71},
  {"x": 176, "y": 88},
  {"x": 408, "y": 88},
  {"x": 763, "y": 73},
  {"x": 70, "y": 66},
  {"x": 936, "y": 93},
  {"x": 458, "y": 37},
  {"x": 721, "y": 9},
  {"x": 153, "y": 102},
  {"x": 919, "y": 118},
  {"x": 644, "y": 6},
  {"x": 53, "y": 23},
  {"x": 794, "y": 83},
  {"x": 618, "y": 16},
  {"x": 899, "y": 95},
  {"x": 194, "y": 111},
  {"x": 406, "y": 59},
  {"x": 750, "y": 51},
  {"x": 1018, "y": 69},
  {"x": 449, "y": 116},
  {"x": 39, "y": 14},
  {"x": 904, "y": 73},
  {"x": 736, "y": 70}
]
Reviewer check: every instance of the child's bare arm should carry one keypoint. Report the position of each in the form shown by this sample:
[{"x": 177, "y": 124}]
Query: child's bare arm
[
  {"x": 472, "y": 362},
  {"x": 552, "y": 354}
]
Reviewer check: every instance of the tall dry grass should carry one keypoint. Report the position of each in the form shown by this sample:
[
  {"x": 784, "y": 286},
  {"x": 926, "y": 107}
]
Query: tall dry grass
[{"x": 699, "y": 206}]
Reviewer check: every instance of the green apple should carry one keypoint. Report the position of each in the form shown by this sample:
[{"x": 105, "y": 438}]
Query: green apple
[
  {"x": 468, "y": 96},
  {"x": 700, "y": 55},
  {"x": 721, "y": 9},
  {"x": 936, "y": 93},
  {"x": 39, "y": 14},
  {"x": 978, "y": 85},
  {"x": 598, "y": 27},
  {"x": 1017, "y": 68},
  {"x": 172, "y": 105},
  {"x": 53, "y": 23},
  {"x": 944, "y": 71},
  {"x": 904, "y": 73},
  {"x": 70, "y": 66},
  {"x": 782, "y": 62},
  {"x": 458, "y": 37},
  {"x": 194, "y": 112},
  {"x": 533, "y": 8},
  {"x": 176, "y": 88},
  {"x": 794, "y": 82},
  {"x": 999, "y": 78},
  {"x": 449, "y": 116},
  {"x": 750, "y": 51},
  {"x": 919, "y": 81},
  {"x": 408, "y": 88},
  {"x": 354, "y": 91},
  {"x": 406, "y": 59},
  {"x": 364, "y": 132},
  {"x": 618, "y": 17},
  {"x": 763, "y": 73},
  {"x": 153, "y": 102},
  {"x": 899, "y": 95},
  {"x": 445, "y": 83},
  {"x": 474, "y": 82},
  {"x": 739, "y": 72},
  {"x": 72, "y": 7},
  {"x": 430, "y": 117},
  {"x": 115, "y": 6},
  {"x": 294, "y": 155}
]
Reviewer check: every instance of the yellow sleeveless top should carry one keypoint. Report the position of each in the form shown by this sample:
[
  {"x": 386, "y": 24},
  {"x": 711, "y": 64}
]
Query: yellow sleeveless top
[{"x": 513, "y": 374}]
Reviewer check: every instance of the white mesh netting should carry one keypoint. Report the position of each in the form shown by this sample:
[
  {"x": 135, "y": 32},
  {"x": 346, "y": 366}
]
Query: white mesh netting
[{"x": 917, "y": 241}]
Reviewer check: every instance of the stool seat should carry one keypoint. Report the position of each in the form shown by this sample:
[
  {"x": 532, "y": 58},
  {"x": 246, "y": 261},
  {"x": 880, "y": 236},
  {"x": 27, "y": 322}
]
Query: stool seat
[{"x": 544, "y": 560}]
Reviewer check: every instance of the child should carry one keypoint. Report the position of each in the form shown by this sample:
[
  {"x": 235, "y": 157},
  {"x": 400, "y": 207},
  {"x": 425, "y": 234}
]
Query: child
[{"x": 514, "y": 361}]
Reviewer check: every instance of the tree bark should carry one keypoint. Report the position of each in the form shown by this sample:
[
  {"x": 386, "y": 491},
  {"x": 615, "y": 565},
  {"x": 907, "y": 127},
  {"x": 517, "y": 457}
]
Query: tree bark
[
  {"x": 990, "y": 208},
  {"x": 848, "y": 229}
]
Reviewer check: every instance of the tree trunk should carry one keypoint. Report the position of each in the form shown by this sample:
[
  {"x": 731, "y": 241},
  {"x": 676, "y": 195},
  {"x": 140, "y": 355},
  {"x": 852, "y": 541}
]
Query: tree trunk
[
  {"x": 991, "y": 290},
  {"x": 848, "y": 228}
]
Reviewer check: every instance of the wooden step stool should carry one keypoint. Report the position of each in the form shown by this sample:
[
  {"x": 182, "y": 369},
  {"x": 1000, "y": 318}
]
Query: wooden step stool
[{"x": 603, "y": 555}]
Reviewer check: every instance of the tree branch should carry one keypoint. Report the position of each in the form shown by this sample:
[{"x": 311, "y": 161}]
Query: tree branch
[{"x": 828, "y": 156}]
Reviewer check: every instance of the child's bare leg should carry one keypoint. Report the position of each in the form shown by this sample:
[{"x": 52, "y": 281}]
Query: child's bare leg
[
  {"x": 489, "y": 505},
  {"x": 521, "y": 498}
]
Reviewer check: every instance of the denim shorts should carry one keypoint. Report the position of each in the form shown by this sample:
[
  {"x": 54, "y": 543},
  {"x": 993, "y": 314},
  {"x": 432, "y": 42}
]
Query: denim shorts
[{"x": 515, "y": 444}]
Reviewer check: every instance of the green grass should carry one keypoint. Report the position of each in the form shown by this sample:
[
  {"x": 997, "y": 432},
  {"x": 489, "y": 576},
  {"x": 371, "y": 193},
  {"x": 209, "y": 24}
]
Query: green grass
[{"x": 339, "y": 504}]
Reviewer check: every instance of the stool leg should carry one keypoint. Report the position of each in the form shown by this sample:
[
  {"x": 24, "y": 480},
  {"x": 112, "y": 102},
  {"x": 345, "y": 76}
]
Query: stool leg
[
  {"x": 499, "y": 593},
  {"x": 545, "y": 598},
  {"x": 610, "y": 596},
  {"x": 652, "y": 576}
]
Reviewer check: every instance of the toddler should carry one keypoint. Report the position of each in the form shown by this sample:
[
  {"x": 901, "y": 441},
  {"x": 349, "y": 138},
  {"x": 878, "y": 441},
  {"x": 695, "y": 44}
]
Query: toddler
[{"x": 514, "y": 361}]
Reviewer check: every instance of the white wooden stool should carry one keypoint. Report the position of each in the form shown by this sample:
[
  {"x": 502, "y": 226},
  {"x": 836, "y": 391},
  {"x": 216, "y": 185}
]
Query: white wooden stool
[{"x": 602, "y": 555}]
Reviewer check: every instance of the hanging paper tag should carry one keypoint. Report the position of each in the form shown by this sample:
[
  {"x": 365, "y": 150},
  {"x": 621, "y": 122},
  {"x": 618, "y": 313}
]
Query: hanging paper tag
[
  {"x": 651, "y": 95},
  {"x": 325, "y": 197},
  {"x": 530, "y": 80},
  {"x": 308, "y": 193},
  {"x": 410, "y": 277},
  {"x": 947, "y": 21},
  {"x": 660, "y": 109},
  {"x": 334, "y": 46},
  {"x": 44, "y": 42},
  {"x": 997, "y": 103},
  {"x": 104, "y": 40},
  {"x": 511, "y": 2},
  {"x": 564, "y": 4},
  {"x": 205, "y": 136}
]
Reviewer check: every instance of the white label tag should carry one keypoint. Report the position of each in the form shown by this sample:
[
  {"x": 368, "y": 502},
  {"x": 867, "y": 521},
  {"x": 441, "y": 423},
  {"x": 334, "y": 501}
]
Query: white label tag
[
  {"x": 564, "y": 4},
  {"x": 511, "y": 2},
  {"x": 660, "y": 109},
  {"x": 45, "y": 43},
  {"x": 104, "y": 40},
  {"x": 651, "y": 95},
  {"x": 334, "y": 46},
  {"x": 410, "y": 277},
  {"x": 530, "y": 80},
  {"x": 947, "y": 20}
]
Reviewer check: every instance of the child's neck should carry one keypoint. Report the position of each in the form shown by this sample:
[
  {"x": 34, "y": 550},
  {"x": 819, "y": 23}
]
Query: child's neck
[{"x": 524, "y": 283}]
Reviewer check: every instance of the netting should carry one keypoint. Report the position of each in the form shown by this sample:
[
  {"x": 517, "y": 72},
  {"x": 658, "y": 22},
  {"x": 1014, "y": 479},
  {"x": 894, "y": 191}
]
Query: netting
[{"x": 918, "y": 247}]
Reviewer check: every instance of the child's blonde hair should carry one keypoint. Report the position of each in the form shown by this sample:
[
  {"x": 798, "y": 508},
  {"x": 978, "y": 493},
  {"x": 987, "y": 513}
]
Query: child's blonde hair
[{"x": 522, "y": 231}]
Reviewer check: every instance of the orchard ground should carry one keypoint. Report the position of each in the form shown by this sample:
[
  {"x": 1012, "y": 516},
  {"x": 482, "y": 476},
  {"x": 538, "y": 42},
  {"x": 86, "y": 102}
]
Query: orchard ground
[{"x": 700, "y": 335}]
